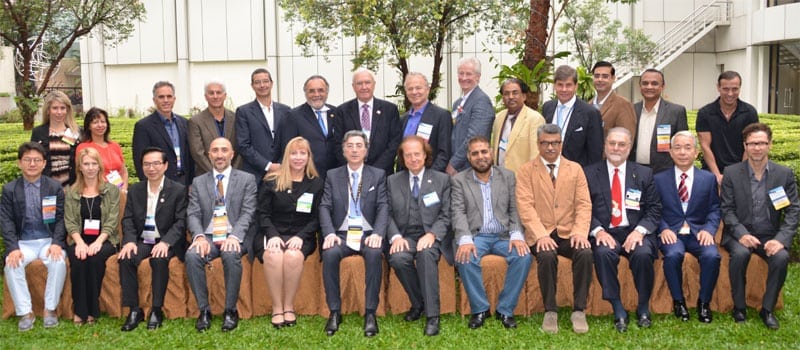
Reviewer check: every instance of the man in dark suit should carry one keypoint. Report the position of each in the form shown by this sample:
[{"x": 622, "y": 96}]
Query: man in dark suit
[
  {"x": 581, "y": 124},
  {"x": 689, "y": 219},
  {"x": 482, "y": 229},
  {"x": 427, "y": 120},
  {"x": 353, "y": 217},
  {"x": 473, "y": 114},
  {"x": 214, "y": 121},
  {"x": 760, "y": 209},
  {"x": 32, "y": 224},
  {"x": 419, "y": 202},
  {"x": 154, "y": 226},
  {"x": 626, "y": 211},
  {"x": 257, "y": 124},
  {"x": 657, "y": 120},
  {"x": 168, "y": 131},
  {"x": 379, "y": 119},
  {"x": 222, "y": 206},
  {"x": 314, "y": 121}
]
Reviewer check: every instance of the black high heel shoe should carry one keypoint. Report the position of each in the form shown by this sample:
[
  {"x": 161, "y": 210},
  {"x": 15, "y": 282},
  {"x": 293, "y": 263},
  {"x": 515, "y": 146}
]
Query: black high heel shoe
[
  {"x": 277, "y": 325},
  {"x": 288, "y": 323}
]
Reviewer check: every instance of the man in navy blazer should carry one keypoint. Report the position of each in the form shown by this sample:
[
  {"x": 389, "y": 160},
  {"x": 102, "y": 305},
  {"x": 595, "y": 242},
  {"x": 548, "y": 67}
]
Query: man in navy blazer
[
  {"x": 427, "y": 120},
  {"x": 689, "y": 219},
  {"x": 626, "y": 212},
  {"x": 168, "y": 131},
  {"x": 473, "y": 114},
  {"x": 353, "y": 217},
  {"x": 314, "y": 121},
  {"x": 379, "y": 119},
  {"x": 257, "y": 123},
  {"x": 760, "y": 208},
  {"x": 581, "y": 124}
]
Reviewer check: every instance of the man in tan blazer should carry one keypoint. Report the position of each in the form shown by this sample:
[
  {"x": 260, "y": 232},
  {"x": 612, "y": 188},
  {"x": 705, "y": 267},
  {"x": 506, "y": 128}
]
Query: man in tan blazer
[
  {"x": 615, "y": 109},
  {"x": 556, "y": 211},
  {"x": 214, "y": 121},
  {"x": 514, "y": 129}
]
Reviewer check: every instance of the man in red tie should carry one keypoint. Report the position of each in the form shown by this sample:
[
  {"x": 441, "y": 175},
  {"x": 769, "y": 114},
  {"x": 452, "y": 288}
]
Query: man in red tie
[{"x": 626, "y": 212}]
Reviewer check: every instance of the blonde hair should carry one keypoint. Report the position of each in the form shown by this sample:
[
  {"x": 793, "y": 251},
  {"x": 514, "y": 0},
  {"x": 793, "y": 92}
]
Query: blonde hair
[
  {"x": 58, "y": 96},
  {"x": 80, "y": 183},
  {"x": 283, "y": 177}
]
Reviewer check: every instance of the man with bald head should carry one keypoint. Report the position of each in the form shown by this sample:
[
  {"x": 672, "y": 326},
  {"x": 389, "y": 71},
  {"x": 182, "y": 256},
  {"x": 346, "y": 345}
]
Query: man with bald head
[
  {"x": 221, "y": 207},
  {"x": 378, "y": 119}
]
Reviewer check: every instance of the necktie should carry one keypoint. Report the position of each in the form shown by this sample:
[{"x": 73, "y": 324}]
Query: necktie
[
  {"x": 560, "y": 115},
  {"x": 552, "y": 173},
  {"x": 321, "y": 123},
  {"x": 616, "y": 200},
  {"x": 365, "y": 123},
  {"x": 683, "y": 192},
  {"x": 220, "y": 189},
  {"x": 354, "y": 196},
  {"x": 415, "y": 188}
]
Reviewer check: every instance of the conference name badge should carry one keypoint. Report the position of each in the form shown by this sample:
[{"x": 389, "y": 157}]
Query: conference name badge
[
  {"x": 219, "y": 231},
  {"x": 503, "y": 144},
  {"x": 49, "y": 209},
  {"x": 430, "y": 199},
  {"x": 149, "y": 232},
  {"x": 69, "y": 137},
  {"x": 424, "y": 131},
  {"x": 354, "y": 232},
  {"x": 177, "y": 151},
  {"x": 778, "y": 197},
  {"x": 114, "y": 178},
  {"x": 632, "y": 198},
  {"x": 663, "y": 132},
  {"x": 91, "y": 227},
  {"x": 304, "y": 203}
]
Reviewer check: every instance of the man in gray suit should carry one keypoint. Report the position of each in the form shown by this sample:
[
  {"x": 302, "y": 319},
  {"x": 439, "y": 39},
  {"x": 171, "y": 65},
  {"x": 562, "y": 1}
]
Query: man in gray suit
[
  {"x": 486, "y": 221},
  {"x": 214, "y": 121},
  {"x": 221, "y": 207},
  {"x": 419, "y": 202},
  {"x": 760, "y": 209},
  {"x": 353, "y": 217},
  {"x": 657, "y": 120},
  {"x": 473, "y": 114}
]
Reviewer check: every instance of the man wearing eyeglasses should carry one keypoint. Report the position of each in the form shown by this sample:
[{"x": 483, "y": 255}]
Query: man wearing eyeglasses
[
  {"x": 555, "y": 209},
  {"x": 760, "y": 209},
  {"x": 615, "y": 110},
  {"x": 514, "y": 130},
  {"x": 32, "y": 221}
]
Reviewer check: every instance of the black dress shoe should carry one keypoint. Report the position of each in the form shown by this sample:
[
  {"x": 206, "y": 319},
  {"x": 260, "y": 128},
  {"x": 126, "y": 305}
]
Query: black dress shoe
[
  {"x": 230, "y": 320},
  {"x": 704, "y": 312},
  {"x": 739, "y": 315},
  {"x": 769, "y": 319},
  {"x": 621, "y": 324},
  {"x": 413, "y": 315},
  {"x": 203, "y": 321},
  {"x": 644, "y": 320},
  {"x": 155, "y": 319},
  {"x": 432, "y": 326},
  {"x": 680, "y": 310},
  {"x": 370, "y": 325},
  {"x": 333, "y": 323},
  {"x": 508, "y": 321},
  {"x": 476, "y": 321},
  {"x": 136, "y": 316}
]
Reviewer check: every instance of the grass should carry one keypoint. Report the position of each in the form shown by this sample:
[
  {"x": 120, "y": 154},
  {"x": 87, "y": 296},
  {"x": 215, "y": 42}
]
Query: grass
[{"x": 667, "y": 333}]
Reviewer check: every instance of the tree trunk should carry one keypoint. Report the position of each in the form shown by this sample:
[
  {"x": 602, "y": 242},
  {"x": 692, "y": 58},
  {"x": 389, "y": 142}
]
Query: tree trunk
[{"x": 536, "y": 43}]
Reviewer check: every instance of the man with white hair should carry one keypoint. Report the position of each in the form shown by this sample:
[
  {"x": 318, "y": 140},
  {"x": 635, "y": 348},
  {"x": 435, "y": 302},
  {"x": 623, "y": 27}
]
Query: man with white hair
[
  {"x": 214, "y": 121},
  {"x": 473, "y": 114}
]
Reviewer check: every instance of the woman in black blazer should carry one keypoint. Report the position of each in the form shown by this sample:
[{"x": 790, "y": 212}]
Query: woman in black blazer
[
  {"x": 288, "y": 205},
  {"x": 60, "y": 135}
]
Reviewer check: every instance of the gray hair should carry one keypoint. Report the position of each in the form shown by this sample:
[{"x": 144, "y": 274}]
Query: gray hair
[
  {"x": 476, "y": 64},
  {"x": 161, "y": 84},
  {"x": 214, "y": 82},
  {"x": 684, "y": 133},
  {"x": 549, "y": 129},
  {"x": 313, "y": 77},
  {"x": 355, "y": 133},
  {"x": 363, "y": 70},
  {"x": 565, "y": 72},
  {"x": 418, "y": 75},
  {"x": 619, "y": 129}
]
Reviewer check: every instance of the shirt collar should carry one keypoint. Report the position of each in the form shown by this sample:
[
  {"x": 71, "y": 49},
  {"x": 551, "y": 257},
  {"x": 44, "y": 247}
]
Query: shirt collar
[
  {"x": 37, "y": 183},
  {"x": 655, "y": 107},
  {"x": 160, "y": 185},
  {"x": 411, "y": 175},
  {"x": 621, "y": 167},
  {"x": 226, "y": 173},
  {"x": 475, "y": 177},
  {"x": 164, "y": 118},
  {"x": 557, "y": 162},
  {"x": 569, "y": 103}
]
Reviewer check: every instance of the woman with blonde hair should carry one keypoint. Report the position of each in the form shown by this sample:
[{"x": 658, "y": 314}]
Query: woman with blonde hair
[
  {"x": 59, "y": 134},
  {"x": 288, "y": 211},
  {"x": 91, "y": 216}
]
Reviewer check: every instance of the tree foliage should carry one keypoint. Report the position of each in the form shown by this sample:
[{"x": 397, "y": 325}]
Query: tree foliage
[
  {"x": 395, "y": 30},
  {"x": 55, "y": 25}
]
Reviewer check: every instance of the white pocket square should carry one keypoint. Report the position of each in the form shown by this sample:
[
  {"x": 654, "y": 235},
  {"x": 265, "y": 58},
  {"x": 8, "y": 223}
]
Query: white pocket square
[
  {"x": 371, "y": 188},
  {"x": 578, "y": 129}
]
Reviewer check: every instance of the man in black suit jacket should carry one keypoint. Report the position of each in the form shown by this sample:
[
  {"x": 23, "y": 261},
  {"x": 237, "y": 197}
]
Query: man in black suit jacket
[
  {"x": 314, "y": 121},
  {"x": 168, "y": 131},
  {"x": 154, "y": 226},
  {"x": 626, "y": 211},
  {"x": 655, "y": 116},
  {"x": 760, "y": 208},
  {"x": 379, "y": 119},
  {"x": 427, "y": 120},
  {"x": 257, "y": 124},
  {"x": 419, "y": 226},
  {"x": 353, "y": 217},
  {"x": 581, "y": 124}
]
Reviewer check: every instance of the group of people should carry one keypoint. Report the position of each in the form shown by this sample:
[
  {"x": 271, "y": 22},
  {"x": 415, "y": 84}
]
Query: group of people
[{"x": 590, "y": 181}]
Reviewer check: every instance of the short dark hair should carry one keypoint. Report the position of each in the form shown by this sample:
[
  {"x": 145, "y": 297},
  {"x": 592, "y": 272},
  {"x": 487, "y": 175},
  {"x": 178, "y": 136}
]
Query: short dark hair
[
  {"x": 355, "y": 133},
  {"x": 754, "y": 128},
  {"x": 259, "y": 71},
  {"x": 91, "y": 115},
  {"x": 728, "y": 75},
  {"x": 565, "y": 72},
  {"x": 425, "y": 148},
  {"x": 549, "y": 129},
  {"x": 605, "y": 64},
  {"x": 152, "y": 149},
  {"x": 653, "y": 70},
  {"x": 161, "y": 84},
  {"x": 522, "y": 86},
  {"x": 26, "y": 147},
  {"x": 476, "y": 139}
]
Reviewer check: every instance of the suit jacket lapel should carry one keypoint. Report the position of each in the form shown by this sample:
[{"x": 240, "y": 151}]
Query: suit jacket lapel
[
  {"x": 229, "y": 126},
  {"x": 161, "y": 130},
  {"x": 475, "y": 191},
  {"x": 602, "y": 176}
]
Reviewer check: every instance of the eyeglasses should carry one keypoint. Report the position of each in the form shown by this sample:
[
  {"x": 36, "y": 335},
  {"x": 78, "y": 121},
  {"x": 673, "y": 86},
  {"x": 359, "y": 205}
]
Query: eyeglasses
[
  {"x": 32, "y": 160},
  {"x": 151, "y": 164},
  {"x": 549, "y": 143},
  {"x": 617, "y": 144},
  {"x": 756, "y": 144}
]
